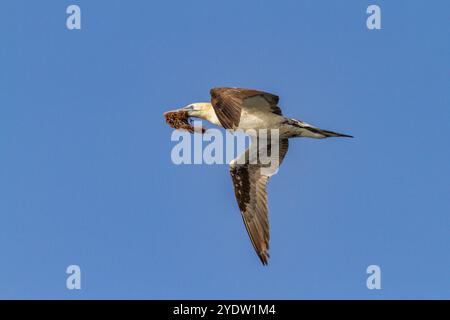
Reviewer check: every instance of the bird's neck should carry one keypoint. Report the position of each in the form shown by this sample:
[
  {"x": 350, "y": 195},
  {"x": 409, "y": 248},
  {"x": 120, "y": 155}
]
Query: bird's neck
[{"x": 210, "y": 115}]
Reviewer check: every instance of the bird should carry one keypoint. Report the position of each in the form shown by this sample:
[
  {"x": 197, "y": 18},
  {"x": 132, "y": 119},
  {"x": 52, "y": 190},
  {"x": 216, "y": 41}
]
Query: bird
[{"x": 253, "y": 110}]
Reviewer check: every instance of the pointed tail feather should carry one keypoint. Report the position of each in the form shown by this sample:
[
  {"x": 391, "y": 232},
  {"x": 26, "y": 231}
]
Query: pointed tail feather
[
  {"x": 313, "y": 132},
  {"x": 327, "y": 133},
  {"x": 303, "y": 129}
]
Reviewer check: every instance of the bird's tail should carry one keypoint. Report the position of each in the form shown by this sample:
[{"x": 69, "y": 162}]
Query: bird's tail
[
  {"x": 303, "y": 129},
  {"x": 328, "y": 134}
]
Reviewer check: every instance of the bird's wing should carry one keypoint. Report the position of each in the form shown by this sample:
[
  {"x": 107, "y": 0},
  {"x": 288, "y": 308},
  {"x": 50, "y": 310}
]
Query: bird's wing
[
  {"x": 250, "y": 180},
  {"x": 229, "y": 102}
]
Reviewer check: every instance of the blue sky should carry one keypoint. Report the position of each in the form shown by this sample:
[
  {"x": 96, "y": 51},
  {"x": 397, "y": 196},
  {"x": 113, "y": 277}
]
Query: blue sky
[{"x": 86, "y": 176}]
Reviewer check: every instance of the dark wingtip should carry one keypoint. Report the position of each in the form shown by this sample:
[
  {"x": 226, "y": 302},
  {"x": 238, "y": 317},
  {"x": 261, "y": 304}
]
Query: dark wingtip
[{"x": 264, "y": 257}]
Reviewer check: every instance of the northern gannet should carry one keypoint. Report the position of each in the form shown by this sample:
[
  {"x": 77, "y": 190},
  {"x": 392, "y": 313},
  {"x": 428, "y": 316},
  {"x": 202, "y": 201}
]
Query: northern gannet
[{"x": 248, "y": 109}]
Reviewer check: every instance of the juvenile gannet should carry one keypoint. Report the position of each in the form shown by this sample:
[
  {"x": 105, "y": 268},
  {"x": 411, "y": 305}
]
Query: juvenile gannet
[{"x": 245, "y": 109}]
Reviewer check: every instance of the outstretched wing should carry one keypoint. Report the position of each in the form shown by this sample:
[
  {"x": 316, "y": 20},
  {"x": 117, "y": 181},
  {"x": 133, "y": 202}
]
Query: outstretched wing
[
  {"x": 250, "y": 181},
  {"x": 229, "y": 102}
]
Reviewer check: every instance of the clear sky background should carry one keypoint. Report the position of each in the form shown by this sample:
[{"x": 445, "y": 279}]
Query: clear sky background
[{"x": 86, "y": 176}]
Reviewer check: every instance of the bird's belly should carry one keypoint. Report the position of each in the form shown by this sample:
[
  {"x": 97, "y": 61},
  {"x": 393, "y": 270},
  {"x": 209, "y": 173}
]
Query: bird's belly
[{"x": 257, "y": 121}]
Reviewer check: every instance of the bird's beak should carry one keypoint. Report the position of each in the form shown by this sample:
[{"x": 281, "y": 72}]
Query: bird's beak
[{"x": 189, "y": 110}]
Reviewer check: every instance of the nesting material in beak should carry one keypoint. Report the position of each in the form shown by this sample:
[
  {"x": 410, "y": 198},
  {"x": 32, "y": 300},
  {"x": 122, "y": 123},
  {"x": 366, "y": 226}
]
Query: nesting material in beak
[{"x": 179, "y": 119}]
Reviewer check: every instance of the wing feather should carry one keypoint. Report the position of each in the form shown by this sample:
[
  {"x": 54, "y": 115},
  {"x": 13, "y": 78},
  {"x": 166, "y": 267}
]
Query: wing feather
[
  {"x": 229, "y": 102},
  {"x": 250, "y": 183}
]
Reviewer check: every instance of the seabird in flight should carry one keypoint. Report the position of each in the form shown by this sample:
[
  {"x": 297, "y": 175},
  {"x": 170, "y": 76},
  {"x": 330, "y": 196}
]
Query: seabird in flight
[{"x": 247, "y": 109}]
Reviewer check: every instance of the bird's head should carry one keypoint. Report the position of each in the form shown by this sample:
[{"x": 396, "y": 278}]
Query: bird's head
[{"x": 200, "y": 110}]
